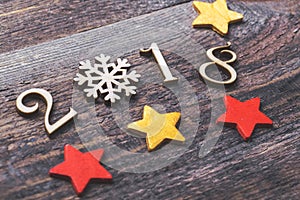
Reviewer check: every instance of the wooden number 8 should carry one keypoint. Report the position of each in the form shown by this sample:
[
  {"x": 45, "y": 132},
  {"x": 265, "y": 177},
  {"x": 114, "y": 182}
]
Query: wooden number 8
[
  {"x": 50, "y": 128},
  {"x": 223, "y": 64}
]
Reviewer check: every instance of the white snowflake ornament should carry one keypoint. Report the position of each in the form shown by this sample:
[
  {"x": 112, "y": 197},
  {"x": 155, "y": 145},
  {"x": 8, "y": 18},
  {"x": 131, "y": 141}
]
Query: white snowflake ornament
[{"x": 107, "y": 78}]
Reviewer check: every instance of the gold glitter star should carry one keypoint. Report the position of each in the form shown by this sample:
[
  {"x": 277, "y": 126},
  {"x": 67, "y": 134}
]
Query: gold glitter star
[
  {"x": 216, "y": 15},
  {"x": 158, "y": 127}
]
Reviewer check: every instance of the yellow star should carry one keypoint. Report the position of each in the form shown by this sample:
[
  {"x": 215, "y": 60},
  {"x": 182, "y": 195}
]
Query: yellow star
[
  {"x": 216, "y": 15},
  {"x": 158, "y": 127}
]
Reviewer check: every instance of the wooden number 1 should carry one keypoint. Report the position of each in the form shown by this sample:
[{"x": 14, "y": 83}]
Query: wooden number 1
[
  {"x": 50, "y": 128},
  {"x": 164, "y": 68}
]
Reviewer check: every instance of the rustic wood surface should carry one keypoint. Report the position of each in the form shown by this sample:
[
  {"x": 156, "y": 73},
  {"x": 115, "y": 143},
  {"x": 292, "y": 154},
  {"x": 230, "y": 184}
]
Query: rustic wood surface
[
  {"x": 25, "y": 23},
  {"x": 267, "y": 46}
]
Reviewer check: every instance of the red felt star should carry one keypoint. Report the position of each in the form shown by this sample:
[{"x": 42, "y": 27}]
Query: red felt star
[
  {"x": 244, "y": 114},
  {"x": 81, "y": 167}
]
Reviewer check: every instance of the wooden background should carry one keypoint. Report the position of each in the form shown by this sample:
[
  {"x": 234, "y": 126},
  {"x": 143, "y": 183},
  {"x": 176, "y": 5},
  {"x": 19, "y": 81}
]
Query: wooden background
[{"x": 267, "y": 45}]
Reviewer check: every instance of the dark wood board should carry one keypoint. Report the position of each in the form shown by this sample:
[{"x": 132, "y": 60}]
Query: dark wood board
[
  {"x": 25, "y": 23},
  {"x": 266, "y": 167}
]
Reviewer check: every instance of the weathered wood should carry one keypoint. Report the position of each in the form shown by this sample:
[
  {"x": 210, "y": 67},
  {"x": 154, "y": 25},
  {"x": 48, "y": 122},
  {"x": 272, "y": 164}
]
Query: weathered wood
[
  {"x": 25, "y": 23},
  {"x": 268, "y": 166}
]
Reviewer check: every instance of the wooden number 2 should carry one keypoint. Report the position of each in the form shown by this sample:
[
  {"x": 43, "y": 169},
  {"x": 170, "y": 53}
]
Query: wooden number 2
[
  {"x": 164, "y": 68},
  {"x": 50, "y": 128}
]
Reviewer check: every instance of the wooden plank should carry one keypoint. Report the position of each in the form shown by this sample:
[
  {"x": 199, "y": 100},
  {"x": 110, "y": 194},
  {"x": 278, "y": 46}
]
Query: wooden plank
[
  {"x": 25, "y": 23},
  {"x": 267, "y": 45}
]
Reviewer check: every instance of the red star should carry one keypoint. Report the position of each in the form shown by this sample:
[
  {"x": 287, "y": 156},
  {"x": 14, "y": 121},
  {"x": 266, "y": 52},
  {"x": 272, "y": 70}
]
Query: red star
[
  {"x": 81, "y": 167},
  {"x": 244, "y": 114}
]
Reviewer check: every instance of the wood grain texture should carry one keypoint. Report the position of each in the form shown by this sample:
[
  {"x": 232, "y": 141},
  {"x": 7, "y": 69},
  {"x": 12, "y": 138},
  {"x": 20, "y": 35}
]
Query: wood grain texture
[
  {"x": 266, "y": 167},
  {"x": 25, "y": 23}
]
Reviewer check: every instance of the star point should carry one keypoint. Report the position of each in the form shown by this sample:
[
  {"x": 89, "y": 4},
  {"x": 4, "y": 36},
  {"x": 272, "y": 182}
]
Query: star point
[
  {"x": 215, "y": 15},
  {"x": 246, "y": 115},
  {"x": 158, "y": 127},
  {"x": 81, "y": 167}
]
